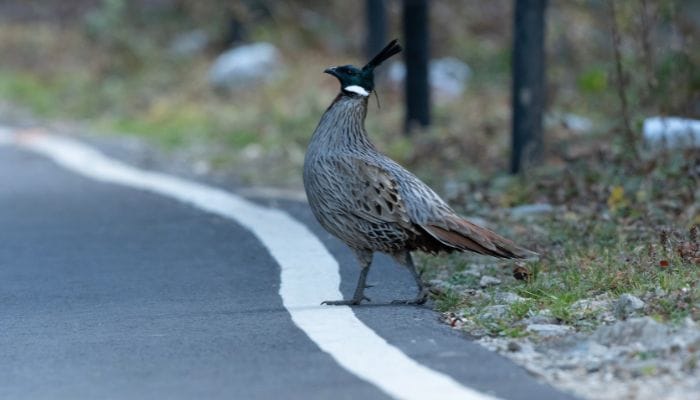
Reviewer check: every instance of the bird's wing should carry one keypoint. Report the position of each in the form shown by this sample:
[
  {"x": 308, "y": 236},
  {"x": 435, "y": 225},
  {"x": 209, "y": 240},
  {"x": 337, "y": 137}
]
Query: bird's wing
[
  {"x": 375, "y": 194},
  {"x": 427, "y": 210},
  {"x": 389, "y": 193}
]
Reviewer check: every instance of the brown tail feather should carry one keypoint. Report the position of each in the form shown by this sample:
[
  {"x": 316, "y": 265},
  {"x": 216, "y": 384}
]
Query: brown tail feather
[{"x": 465, "y": 236}]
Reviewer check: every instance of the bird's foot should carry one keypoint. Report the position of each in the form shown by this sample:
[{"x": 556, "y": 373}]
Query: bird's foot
[
  {"x": 421, "y": 298},
  {"x": 351, "y": 302}
]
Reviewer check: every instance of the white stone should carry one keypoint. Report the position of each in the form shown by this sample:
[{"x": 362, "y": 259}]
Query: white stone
[
  {"x": 448, "y": 76},
  {"x": 494, "y": 312},
  {"x": 644, "y": 331},
  {"x": 244, "y": 66},
  {"x": 587, "y": 307},
  {"x": 507, "y": 298},
  {"x": 548, "y": 330},
  {"x": 673, "y": 132},
  {"x": 487, "y": 281},
  {"x": 573, "y": 122},
  {"x": 627, "y": 305},
  {"x": 540, "y": 317}
]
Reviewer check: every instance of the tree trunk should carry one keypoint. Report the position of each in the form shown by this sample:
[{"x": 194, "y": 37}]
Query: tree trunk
[{"x": 528, "y": 94}]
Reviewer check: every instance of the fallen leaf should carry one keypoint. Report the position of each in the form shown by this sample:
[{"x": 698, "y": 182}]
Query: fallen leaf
[{"x": 521, "y": 273}]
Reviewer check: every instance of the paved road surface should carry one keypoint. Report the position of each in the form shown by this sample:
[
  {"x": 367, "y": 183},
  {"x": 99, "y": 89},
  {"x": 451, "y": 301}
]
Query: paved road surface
[{"x": 109, "y": 292}]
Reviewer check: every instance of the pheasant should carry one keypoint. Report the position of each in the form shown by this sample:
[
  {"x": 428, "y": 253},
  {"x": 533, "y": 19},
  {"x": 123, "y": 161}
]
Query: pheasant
[{"x": 370, "y": 202}]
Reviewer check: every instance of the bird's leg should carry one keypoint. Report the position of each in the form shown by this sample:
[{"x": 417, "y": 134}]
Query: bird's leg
[
  {"x": 366, "y": 261},
  {"x": 423, "y": 291}
]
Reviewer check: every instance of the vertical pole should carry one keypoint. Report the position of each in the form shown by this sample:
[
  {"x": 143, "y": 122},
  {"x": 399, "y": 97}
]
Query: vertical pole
[
  {"x": 528, "y": 95},
  {"x": 375, "y": 12},
  {"x": 416, "y": 54}
]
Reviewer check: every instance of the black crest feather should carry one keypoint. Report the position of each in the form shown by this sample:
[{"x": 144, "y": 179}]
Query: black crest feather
[{"x": 389, "y": 50}]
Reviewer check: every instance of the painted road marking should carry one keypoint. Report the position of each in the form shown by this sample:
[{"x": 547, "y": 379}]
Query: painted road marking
[{"x": 304, "y": 263}]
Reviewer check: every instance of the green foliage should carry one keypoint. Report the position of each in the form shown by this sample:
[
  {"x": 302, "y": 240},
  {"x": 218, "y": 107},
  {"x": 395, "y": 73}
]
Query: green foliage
[
  {"x": 593, "y": 80},
  {"x": 447, "y": 301},
  {"x": 27, "y": 89}
]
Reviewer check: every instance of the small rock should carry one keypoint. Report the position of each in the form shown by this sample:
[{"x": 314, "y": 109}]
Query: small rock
[
  {"x": 577, "y": 123},
  {"x": 586, "y": 307},
  {"x": 439, "y": 284},
  {"x": 448, "y": 76},
  {"x": 644, "y": 331},
  {"x": 487, "y": 281},
  {"x": 607, "y": 317},
  {"x": 541, "y": 317},
  {"x": 244, "y": 66},
  {"x": 671, "y": 132},
  {"x": 527, "y": 210},
  {"x": 658, "y": 292},
  {"x": 507, "y": 298},
  {"x": 494, "y": 312},
  {"x": 573, "y": 122},
  {"x": 688, "y": 323},
  {"x": 513, "y": 346},
  {"x": 628, "y": 305},
  {"x": 589, "y": 349},
  {"x": 548, "y": 330}
]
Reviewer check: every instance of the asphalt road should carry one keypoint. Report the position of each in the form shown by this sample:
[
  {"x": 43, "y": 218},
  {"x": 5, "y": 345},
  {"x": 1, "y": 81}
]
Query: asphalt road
[{"x": 109, "y": 292}]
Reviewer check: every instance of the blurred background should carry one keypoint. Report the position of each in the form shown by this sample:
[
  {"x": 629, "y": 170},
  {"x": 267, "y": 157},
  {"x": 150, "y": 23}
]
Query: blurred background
[{"x": 239, "y": 84}]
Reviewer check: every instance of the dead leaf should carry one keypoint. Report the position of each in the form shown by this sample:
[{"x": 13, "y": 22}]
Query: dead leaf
[{"x": 521, "y": 273}]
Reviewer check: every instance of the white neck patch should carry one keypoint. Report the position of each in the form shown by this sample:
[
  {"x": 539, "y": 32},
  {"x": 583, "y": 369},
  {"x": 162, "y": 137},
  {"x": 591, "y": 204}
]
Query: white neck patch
[{"x": 357, "y": 89}]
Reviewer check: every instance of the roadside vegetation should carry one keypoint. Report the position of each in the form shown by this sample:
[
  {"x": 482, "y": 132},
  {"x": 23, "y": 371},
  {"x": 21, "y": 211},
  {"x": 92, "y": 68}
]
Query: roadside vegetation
[
  {"x": 609, "y": 232},
  {"x": 620, "y": 218}
]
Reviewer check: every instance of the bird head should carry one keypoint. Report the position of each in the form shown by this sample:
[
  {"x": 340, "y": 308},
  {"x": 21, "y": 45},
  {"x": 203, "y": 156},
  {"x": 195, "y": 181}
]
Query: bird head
[{"x": 356, "y": 81}]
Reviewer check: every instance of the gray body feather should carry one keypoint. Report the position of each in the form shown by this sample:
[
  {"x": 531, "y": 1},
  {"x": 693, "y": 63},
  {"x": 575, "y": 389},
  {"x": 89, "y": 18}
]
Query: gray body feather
[{"x": 372, "y": 203}]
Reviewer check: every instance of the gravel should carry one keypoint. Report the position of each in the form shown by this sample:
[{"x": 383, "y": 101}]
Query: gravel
[
  {"x": 609, "y": 350},
  {"x": 507, "y": 298},
  {"x": 628, "y": 305},
  {"x": 638, "y": 358},
  {"x": 548, "y": 330},
  {"x": 487, "y": 281}
]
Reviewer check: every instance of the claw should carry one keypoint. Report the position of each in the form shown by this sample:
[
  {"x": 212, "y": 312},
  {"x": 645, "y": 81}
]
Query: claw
[
  {"x": 352, "y": 302},
  {"x": 340, "y": 303},
  {"x": 417, "y": 301}
]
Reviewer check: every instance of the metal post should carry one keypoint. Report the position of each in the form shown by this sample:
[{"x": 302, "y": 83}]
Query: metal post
[{"x": 528, "y": 94}]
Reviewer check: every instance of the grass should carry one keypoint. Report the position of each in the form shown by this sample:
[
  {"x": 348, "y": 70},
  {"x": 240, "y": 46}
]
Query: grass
[
  {"x": 113, "y": 74},
  {"x": 600, "y": 243}
]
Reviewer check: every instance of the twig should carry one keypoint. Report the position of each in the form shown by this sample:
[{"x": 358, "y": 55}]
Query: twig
[
  {"x": 621, "y": 83},
  {"x": 646, "y": 47}
]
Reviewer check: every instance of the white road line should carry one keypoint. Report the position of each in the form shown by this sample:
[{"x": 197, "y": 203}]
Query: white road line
[{"x": 309, "y": 274}]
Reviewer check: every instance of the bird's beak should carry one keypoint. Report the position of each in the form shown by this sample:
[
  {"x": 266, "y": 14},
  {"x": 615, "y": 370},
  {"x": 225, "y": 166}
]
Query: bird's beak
[{"x": 331, "y": 71}]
